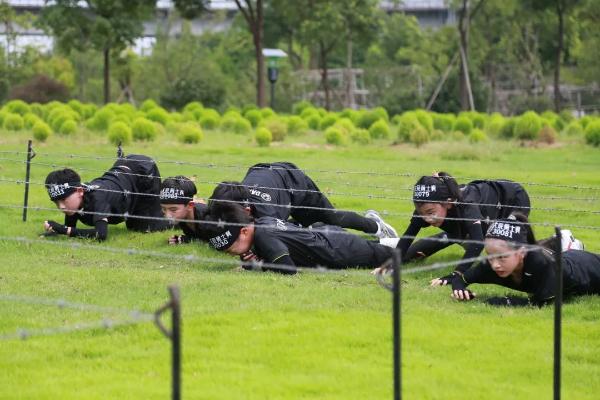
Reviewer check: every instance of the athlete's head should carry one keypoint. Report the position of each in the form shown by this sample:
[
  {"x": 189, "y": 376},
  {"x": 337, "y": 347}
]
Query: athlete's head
[
  {"x": 506, "y": 243},
  {"x": 434, "y": 197},
  {"x": 177, "y": 197},
  {"x": 229, "y": 192},
  {"x": 65, "y": 190},
  {"x": 235, "y": 232}
]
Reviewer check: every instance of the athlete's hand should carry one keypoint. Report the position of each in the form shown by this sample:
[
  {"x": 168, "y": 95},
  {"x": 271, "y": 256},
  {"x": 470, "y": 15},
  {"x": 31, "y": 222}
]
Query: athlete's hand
[
  {"x": 177, "y": 239},
  {"x": 464, "y": 294},
  {"x": 443, "y": 281},
  {"x": 249, "y": 256},
  {"x": 52, "y": 226}
]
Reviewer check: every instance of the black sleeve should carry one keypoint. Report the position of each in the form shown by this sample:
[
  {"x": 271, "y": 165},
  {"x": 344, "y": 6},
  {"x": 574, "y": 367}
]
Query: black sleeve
[
  {"x": 100, "y": 231},
  {"x": 545, "y": 286},
  {"x": 416, "y": 223},
  {"x": 475, "y": 232},
  {"x": 71, "y": 220},
  {"x": 480, "y": 273},
  {"x": 287, "y": 265},
  {"x": 272, "y": 250}
]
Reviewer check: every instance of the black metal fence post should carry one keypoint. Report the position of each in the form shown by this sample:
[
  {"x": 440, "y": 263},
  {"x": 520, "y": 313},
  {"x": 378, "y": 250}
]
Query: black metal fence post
[
  {"x": 174, "y": 335},
  {"x": 558, "y": 314},
  {"x": 397, "y": 298},
  {"x": 30, "y": 155}
]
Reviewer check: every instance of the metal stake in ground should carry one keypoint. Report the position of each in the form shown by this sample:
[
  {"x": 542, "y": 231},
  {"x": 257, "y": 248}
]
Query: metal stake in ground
[
  {"x": 558, "y": 313},
  {"x": 396, "y": 264},
  {"x": 30, "y": 155},
  {"x": 174, "y": 335}
]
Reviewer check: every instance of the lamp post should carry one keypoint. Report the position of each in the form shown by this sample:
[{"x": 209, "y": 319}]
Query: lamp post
[{"x": 273, "y": 56}]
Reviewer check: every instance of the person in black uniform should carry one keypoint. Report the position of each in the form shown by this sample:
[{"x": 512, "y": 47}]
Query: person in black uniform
[
  {"x": 177, "y": 203},
  {"x": 515, "y": 264},
  {"x": 130, "y": 187},
  {"x": 281, "y": 190},
  {"x": 441, "y": 203},
  {"x": 276, "y": 241}
]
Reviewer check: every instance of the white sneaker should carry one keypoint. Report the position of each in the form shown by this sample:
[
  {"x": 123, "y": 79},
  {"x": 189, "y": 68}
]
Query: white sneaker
[
  {"x": 385, "y": 230},
  {"x": 569, "y": 242}
]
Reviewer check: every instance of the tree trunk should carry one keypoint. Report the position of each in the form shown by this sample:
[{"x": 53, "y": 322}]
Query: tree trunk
[
  {"x": 260, "y": 60},
  {"x": 106, "y": 75},
  {"x": 561, "y": 33},
  {"x": 350, "y": 77},
  {"x": 465, "y": 94},
  {"x": 325, "y": 75}
]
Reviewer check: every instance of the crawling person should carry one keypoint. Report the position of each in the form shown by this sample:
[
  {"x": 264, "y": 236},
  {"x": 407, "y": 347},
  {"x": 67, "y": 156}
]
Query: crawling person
[{"x": 128, "y": 192}]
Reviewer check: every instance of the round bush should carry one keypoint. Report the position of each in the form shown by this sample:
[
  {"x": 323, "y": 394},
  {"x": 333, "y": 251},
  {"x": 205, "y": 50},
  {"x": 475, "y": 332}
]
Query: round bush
[
  {"x": 584, "y": 121},
  {"x": 547, "y": 135},
  {"x": 322, "y": 112},
  {"x": 267, "y": 112},
  {"x": 297, "y": 108},
  {"x": 193, "y": 105},
  {"x": 419, "y": 136},
  {"x": 68, "y": 127},
  {"x": 190, "y": 133},
  {"x": 143, "y": 129},
  {"x": 308, "y": 112},
  {"x": 574, "y": 129},
  {"x": 254, "y": 117},
  {"x": 457, "y": 136},
  {"x": 263, "y": 137},
  {"x": 436, "y": 135},
  {"x": 314, "y": 121},
  {"x": 30, "y": 119},
  {"x": 232, "y": 112},
  {"x": 351, "y": 114},
  {"x": 566, "y": 116},
  {"x": 425, "y": 120},
  {"x": 360, "y": 136},
  {"x": 367, "y": 118},
  {"x": 277, "y": 127},
  {"x": 463, "y": 124},
  {"x": 13, "y": 122},
  {"x": 41, "y": 131},
  {"x": 508, "y": 129},
  {"x": 59, "y": 115},
  {"x": 528, "y": 126},
  {"x": 159, "y": 115},
  {"x": 346, "y": 126},
  {"x": 101, "y": 120},
  {"x": 296, "y": 125},
  {"x": 327, "y": 121},
  {"x": 407, "y": 123},
  {"x": 495, "y": 125},
  {"x": 88, "y": 110},
  {"x": 209, "y": 119},
  {"x": 443, "y": 122},
  {"x": 148, "y": 105},
  {"x": 38, "y": 109},
  {"x": 228, "y": 122},
  {"x": 17, "y": 107},
  {"x": 76, "y": 106},
  {"x": 477, "y": 136},
  {"x": 592, "y": 133},
  {"x": 380, "y": 130},
  {"x": 119, "y": 132},
  {"x": 241, "y": 126},
  {"x": 476, "y": 118},
  {"x": 335, "y": 136}
]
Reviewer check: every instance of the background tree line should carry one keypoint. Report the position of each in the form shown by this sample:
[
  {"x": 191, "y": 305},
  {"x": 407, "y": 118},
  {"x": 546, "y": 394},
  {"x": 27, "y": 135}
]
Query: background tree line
[{"x": 497, "y": 46}]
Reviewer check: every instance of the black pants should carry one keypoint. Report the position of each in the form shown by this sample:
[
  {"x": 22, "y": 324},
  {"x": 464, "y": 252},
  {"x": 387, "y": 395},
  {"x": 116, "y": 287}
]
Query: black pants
[{"x": 146, "y": 182}]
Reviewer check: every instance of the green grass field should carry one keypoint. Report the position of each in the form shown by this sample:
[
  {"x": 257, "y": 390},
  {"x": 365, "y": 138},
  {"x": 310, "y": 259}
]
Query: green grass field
[{"x": 265, "y": 336}]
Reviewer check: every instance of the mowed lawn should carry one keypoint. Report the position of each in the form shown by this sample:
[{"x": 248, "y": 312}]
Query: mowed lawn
[{"x": 266, "y": 336}]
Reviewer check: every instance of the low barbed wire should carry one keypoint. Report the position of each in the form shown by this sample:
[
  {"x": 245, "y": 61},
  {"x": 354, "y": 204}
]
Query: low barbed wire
[
  {"x": 133, "y": 317},
  {"x": 338, "y": 172},
  {"x": 369, "y": 196},
  {"x": 341, "y": 231}
]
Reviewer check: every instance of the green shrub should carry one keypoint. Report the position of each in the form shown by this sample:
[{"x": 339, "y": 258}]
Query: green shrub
[
  {"x": 351, "y": 114},
  {"x": 296, "y": 125},
  {"x": 367, "y": 118},
  {"x": 322, "y": 112},
  {"x": 380, "y": 130},
  {"x": 17, "y": 107},
  {"x": 566, "y": 116},
  {"x": 547, "y": 135},
  {"x": 584, "y": 121},
  {"x": 190, "y": 133},
  {"x": 209, "y": 119},
  {"x": 232, "y": 112},
  {"x": 457, "y": 136},
  {"x": 297, "y": 108},
  {"x": 267, "y": 112},
  {"x": 158, "y": 114},
  {"x": 41, "y": 131},
  {"x": 101, "y": 120},
  {"x": 38, "y": 110},
  {"x": 277, "y": 127},
  {"x": 436, "y": 135},
  {"x": 308, "y": 112},
  {"x": 407, "y": 123},
  {"x": 148, "y": 105},
  {"x": 88, "y": 111},
  {"x": 425, "y": 119},
  {"x": 360, "y": 136},
  {"x": 335, "y": 136},
  {"x": 254, "y": 117},
  {"x": 30, "y": 119},
  {"x": 443, "y": 122},
  {"x": 263, "y": 136},
  {"x": 477, "y": 119},
  {"x": 463, "y": 124},
  {"x": 327, "y": 121},
  {"x": 143, "y": 129},
  {"x": 314, "y": 121},
  {"x": 528, "y": 126},
  {"x": 592, "y": 133},
  {"x": 76, "y": 106},
  {"x": 191, "y": 106},
  {"x": 574, "y": 129},
  {"x": 119, "y": 132},
  {"x": 346, "y": 126},
  {"x": 3, "y": 115},
  {"x": 228, "y": 122},
  {"x": 508, "y": 129},
  {"x": 68, "y": 127},
  {"x": 477, "y": 136},
  {"x": 495, "y": 125},
  {"x": 419, "y": 136},
  {"x": 241, "y": 126},
  {"x": 13, "y": 122},
  {"x": 59, "y": 115}
]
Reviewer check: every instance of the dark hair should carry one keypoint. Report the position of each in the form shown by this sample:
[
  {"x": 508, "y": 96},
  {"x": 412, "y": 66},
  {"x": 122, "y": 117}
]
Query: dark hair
[
  {"x": 230, "y": 213},
  {"x": 180, "y": 182},
  {"x": 524, "y": 221},
  {"x": 231, "y": 192},
  {"x": 451, "y": 184},
  {"x": 436, "y": 188},
  {"x": 61, "y": 176}
]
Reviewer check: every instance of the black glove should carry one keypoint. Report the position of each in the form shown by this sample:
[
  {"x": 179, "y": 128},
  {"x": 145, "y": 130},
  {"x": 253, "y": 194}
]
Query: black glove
[
  {"x": 448, "y": 278},
  {"x": 459, "y": 285},
  {"x": 58, "y": 228}
]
